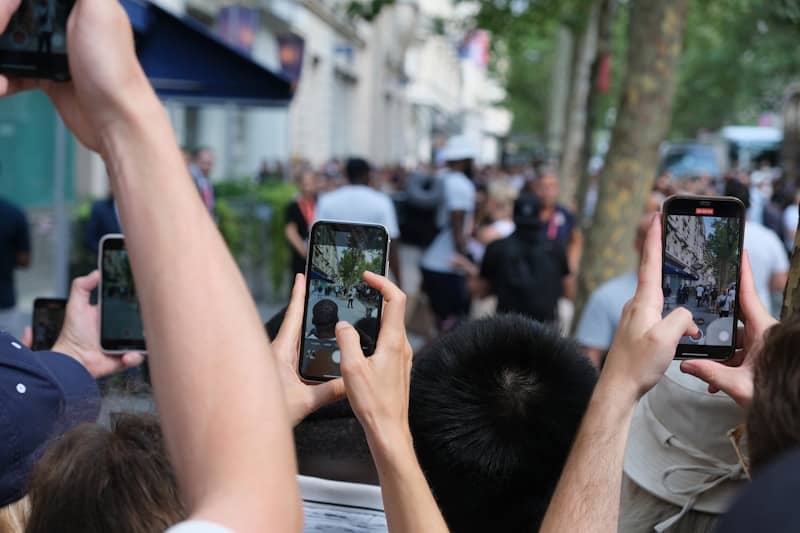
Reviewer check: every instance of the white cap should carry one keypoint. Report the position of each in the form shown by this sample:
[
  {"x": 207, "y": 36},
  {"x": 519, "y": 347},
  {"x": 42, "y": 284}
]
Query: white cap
[{"x": 458, "y": 147}]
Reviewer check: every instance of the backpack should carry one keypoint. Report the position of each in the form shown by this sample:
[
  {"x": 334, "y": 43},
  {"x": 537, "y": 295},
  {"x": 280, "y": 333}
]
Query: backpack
[{"x": 418, "y": 209}]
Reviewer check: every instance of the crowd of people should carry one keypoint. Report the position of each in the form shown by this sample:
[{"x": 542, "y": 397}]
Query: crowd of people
[{"x": 499, "y": 423}]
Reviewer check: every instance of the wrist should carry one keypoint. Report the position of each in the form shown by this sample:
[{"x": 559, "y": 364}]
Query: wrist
[
  {"x": 617, "y": 390},
  {"x": 391, "y": 447},
  {"x": 134, "y": 121},
  {"x": 64, "y": 346}
]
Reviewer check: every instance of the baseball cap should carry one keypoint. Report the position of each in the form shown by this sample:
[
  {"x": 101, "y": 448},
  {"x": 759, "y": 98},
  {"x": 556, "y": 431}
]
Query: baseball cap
[
  {"x": 458, "y": 148},
  {"x": 526, "y": 211},
  {"x": 769, "y": 503},
  {"x": 678, "y": 447},
  {"x": 42, "y": 395}
]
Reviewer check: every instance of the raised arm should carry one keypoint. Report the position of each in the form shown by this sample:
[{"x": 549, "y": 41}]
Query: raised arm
[
  {"x": 587, "y": 497},
  {"x": 216, "y": 386},
  {"x": 378, "y": 389}
]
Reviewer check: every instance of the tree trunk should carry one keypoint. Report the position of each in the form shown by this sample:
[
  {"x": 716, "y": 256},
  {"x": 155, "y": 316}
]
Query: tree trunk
[
  {"x": 559, "y": 90},
  {"x": 607, "y": 12},
  {"x": 570, "y": 170},
  {"x": 655, "y": 33},
  {"x": 791, "y": 169}
]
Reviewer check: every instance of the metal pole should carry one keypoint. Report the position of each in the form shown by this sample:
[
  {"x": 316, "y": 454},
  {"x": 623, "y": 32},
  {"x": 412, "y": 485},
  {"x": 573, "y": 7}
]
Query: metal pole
[{"x": 62, "y": 233}]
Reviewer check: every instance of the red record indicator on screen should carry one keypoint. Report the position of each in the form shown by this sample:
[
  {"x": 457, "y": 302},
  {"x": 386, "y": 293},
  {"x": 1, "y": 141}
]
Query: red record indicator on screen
[
  {"x": 704, "y": 211},
  {"x": 19, "y": 38}
]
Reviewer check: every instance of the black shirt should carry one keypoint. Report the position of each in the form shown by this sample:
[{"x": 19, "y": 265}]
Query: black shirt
[
  {"x": 294, "y": 214},
  {"x": 14, "y": 239},
  {"x": 526, "y": 274}
]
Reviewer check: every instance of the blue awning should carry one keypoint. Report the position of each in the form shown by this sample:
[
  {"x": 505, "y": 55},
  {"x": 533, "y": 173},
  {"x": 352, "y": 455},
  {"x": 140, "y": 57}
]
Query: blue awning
[
  {"x": 184, "y": 61},
  {"x": 672, "y": 270}
]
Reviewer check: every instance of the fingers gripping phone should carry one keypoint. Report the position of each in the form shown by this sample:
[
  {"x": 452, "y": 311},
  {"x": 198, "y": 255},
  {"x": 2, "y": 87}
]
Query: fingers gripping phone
[
  {"x": 338, "y": 255},
  {"x": 48, "y": 319},
  {"x": 121, "y": 327},
  {"x": 703, "y": 241},
  {"x": 34, "y": 43}
]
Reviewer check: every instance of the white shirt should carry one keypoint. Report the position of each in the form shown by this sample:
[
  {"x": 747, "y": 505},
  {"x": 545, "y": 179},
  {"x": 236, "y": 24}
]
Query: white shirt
[
  {"x": 790, "y": 219},
  {"x": 359, "y": 204},
  {"x": 767, "y": 257},
  {"x": 699, "y": 291},
  {"x": 459, "y": 195}
]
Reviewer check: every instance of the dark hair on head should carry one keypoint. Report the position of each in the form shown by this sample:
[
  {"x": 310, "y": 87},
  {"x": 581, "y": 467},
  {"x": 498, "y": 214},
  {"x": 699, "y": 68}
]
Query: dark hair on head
[
  {"x": 739, "y": 190},
  {"x": 95, "y": 480},
  {"x": 357, "y": 170},
  {"x": 773, "y": 420},
  {"x": 494, "y": 409},
  {"x": 200, "y": 149},
  {"x": 325, "y": 313}
]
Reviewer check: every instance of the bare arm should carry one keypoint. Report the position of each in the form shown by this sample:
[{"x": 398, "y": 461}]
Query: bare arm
[
  {"x": 378, "y": 388},
  {"x": 216, "y": 386},
  {"x": 457, "y": 221},
  {"x": 295, "y": 240},
  {"x": 588, "y": 494}
]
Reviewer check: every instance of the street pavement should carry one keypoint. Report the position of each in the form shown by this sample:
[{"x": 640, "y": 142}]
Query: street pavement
[{"x": 703, "y": 316}]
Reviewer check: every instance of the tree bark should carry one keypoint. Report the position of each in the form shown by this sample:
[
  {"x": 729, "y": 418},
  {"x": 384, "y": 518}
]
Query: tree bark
[
  {"x": 655, "y": 34},
  {"x": 607, "y": 12},
  {"x": 559, "y": 91},
  {"x": 570, "y": 170},
  {"x": 791, "y": 169}
]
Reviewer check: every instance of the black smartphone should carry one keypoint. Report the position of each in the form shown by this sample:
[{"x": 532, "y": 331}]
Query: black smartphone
[
  {"x": 34, "y": 43},
  {"x": 703, "y": 240},
  {"x": 48, "y": 319},
  {"x": 121, "y": 327},
  {"x": 339, "y": 253}
]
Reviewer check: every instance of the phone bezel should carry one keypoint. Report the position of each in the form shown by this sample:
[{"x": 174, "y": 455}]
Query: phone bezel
[
  {"x": 724, "y": 206},
  {"x": 337, "y": 226},
  {"x": 45, "y": 304},
  {"x": 113, "y": 241}
]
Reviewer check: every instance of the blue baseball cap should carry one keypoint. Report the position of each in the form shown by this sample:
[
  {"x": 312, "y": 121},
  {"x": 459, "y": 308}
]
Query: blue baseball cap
[{"x": 42, "y": 395}]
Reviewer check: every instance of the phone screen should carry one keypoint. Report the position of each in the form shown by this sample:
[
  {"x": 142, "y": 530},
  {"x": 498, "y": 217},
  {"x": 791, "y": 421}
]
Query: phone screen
[
  {"x": 35, "y": 40},
  {"x": 121, "y": 327},
  {"x": 338, "y": 256},
  {"x": 702, "y": 259},
  {"x": 48, "y": 319}
]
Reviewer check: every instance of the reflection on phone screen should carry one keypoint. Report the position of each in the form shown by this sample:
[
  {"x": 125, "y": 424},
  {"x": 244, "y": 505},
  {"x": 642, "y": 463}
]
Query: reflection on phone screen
[
  {"x": 701, "y": 263},
  {"x": 38, "y": 26},
  {"x": 337, "y": 292},
  {"x": 121, "y": 323}
]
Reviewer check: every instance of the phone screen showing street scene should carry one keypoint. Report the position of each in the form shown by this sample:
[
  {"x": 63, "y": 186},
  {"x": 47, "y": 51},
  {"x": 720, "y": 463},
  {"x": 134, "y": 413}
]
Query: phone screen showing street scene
[
  {"x": 48, "y": 319},
  {"x": 339, "y": 255},
  {"x": 701, "y": 271},
  {"x": 38, "y": 26},
  {"x": 121, "y": 327}
]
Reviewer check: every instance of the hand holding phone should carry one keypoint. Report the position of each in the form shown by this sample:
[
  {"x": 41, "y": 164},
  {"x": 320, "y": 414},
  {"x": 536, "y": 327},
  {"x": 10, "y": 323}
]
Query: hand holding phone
[
  {"x": 703, "y": 240},
  {"x": 339, "y": 254}
]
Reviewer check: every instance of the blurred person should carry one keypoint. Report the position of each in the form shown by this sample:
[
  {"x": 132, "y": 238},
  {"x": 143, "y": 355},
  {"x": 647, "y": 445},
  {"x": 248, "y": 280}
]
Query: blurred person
[
  {"x": 49, "y": 392},
  {"x": 15, "y": 252},
  {"x": 442, "y": 281},
  {"x": 500, "y": 224},
  {"x": 103, "y": 219},
  {"x": 95, "y": 480},
  {"x": 601, "y": 315},
  {"x": 525, "y": 271},
  {"x": 201, "y": 167},
  {"x": 663, "y": 184},
  {"x": 357, "y": 202},
  {"x": 324, "y": 316},
  {"x": 494, "y": 408},
  {"x": 790, "y": 220},
  {"x": 766, "y": 251},
  {"x": 300, "y": 214}
]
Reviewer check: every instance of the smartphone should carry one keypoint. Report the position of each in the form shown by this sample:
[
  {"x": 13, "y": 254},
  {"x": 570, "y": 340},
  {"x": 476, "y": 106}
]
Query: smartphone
[
  {"x": 339, "y": 253},
  {"x": 703, "y": 240},
  {"x": 121, "y": 327},
  {"x": 48, "y": 319},
  {"x": 34, "y": 44}
]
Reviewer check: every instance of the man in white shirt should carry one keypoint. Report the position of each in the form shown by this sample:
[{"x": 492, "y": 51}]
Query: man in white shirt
[
  {"x": 445, "y": 284},
  {"x": 360, "y": 203}
]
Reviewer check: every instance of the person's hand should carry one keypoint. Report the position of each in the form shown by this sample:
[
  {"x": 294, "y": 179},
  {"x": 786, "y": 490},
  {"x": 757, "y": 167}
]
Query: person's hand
[
  {"x": 644, "y": 344},
  {"x": 735, "y": 376},
  {"x": 378, "y": 386},
  {"x": 80, "y": 335},
  {"x": 108, "y": 83},
  {"x": 27, "y": 337},
  {"x": 302, "y": 399}
]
